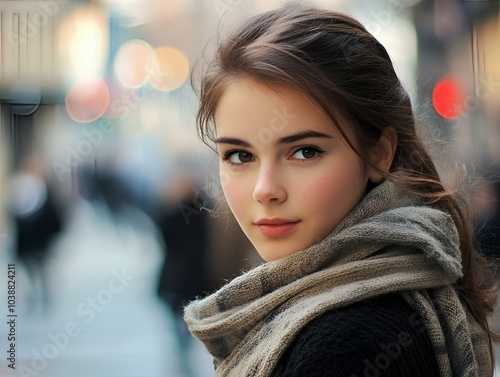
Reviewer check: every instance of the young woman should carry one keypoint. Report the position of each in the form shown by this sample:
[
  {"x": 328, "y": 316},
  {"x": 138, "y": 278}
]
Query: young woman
[{"x": 370, "y": 265}]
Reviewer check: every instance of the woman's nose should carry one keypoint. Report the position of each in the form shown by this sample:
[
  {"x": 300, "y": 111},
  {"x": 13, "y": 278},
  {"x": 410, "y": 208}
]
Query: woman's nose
[{"x": 269, "y": 188}]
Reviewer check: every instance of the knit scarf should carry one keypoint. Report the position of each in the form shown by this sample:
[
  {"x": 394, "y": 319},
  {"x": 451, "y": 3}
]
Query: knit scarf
[{"x": 390, "y": 242}]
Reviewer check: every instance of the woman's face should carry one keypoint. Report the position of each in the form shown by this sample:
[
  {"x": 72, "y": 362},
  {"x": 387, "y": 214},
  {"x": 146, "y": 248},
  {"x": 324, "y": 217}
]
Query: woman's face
[{"x": 286, "y": 172}]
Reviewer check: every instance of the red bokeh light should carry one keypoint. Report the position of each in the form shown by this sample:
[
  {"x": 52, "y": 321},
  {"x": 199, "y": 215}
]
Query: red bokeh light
[
  {"x": 448, "y": 98},
  {"x": 87, "y": 100}
]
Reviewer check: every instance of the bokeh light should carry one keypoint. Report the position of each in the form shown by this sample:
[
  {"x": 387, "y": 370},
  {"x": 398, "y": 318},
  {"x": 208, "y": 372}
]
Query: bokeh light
[
  {"x": 27, "y": 194},
  {"x": 87, "y": 100},
  {"x": 130, "y": 63},
  {"x": 168, "y": 68},
  {"x": 448, "y": 98},
  {"x": 83, "y": 42}
]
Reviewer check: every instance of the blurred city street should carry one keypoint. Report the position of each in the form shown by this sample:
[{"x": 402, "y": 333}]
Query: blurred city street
[
  {"x": 102, "y": 317},
  {"x": 107, "y": 191}
]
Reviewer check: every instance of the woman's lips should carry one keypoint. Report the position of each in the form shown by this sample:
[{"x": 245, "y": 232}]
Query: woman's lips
[{"x": 276, "y": 228}]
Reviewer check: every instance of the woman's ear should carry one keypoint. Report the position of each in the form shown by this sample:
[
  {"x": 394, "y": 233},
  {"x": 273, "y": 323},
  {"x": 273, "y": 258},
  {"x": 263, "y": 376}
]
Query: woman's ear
[{"x": 383, "y": 154}]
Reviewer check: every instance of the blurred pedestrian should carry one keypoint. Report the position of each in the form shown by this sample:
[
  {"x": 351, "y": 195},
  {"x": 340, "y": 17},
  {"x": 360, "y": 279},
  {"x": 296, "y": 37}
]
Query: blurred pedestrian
[{"x": 37, "y": 220}]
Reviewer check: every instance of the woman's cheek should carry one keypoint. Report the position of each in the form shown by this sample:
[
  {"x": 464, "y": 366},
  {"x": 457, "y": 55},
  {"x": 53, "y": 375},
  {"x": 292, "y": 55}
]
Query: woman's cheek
[
  {"x": 318, "y": 189},
  {"x": 232, "y": 189},
  {"x": 333, "y": 191}
]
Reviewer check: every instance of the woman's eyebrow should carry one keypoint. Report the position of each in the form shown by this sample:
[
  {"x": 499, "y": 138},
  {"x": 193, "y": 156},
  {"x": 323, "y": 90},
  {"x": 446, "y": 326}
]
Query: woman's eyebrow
[
  {"x": 283, "y": 140},
  {"x": 232, "y": 140},
  {"x": 303, "y": 135}
]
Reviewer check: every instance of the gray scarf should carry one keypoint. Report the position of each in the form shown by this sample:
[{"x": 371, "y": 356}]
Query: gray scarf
[{"x": 388, "y": 243}]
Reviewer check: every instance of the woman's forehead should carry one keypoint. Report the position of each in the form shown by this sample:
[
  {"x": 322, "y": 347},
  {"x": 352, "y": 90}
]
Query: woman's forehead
[{"x": 248, "y": 105}]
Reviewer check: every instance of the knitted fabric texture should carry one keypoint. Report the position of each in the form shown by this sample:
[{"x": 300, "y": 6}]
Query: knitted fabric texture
[
  {"x": 382, "y": 336},
  {"x": 388, "y": 243}
]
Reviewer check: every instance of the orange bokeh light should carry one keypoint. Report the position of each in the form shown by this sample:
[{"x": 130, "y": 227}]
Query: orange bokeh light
[
  {"x": 131, "y": 61},
  {"x": 168, "y": 68}
]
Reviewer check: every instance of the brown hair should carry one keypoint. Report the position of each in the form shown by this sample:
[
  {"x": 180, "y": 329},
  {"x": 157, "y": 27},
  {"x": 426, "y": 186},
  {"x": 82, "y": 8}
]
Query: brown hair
[{"x": 333, "y": 59}]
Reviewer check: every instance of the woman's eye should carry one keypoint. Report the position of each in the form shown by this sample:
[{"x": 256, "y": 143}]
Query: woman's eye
[
  {"x": 306, "y": 153},
  {"x": 238, "y": 157}
]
